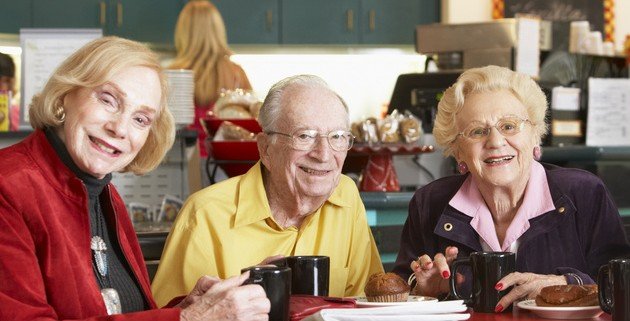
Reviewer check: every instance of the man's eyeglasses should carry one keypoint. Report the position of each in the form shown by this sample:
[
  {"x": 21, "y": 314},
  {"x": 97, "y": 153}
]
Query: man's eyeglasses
[
  {"x": 305, "y": 139},
  {"x": 507, "y": 126}
]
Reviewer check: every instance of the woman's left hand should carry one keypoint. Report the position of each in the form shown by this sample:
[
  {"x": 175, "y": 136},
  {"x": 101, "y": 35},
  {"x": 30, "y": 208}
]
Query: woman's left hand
[{"x": 526, "y": 285}]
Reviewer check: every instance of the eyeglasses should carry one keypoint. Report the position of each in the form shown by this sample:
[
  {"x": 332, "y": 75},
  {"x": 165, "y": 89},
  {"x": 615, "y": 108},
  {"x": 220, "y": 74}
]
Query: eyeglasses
[
  {"x": 508, "y": 126},
  {"x": 305, "y": 139}
]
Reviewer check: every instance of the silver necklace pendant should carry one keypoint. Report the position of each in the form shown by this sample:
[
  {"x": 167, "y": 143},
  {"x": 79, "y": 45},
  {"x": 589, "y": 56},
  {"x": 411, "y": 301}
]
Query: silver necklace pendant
[
  {"x": 112, "y": 301},
  {"x": 99, "y": 247}
]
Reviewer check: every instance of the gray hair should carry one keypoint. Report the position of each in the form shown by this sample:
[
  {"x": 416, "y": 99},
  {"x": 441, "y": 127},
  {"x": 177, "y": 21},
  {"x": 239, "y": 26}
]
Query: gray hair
[
  {"x": 272, "y": 106},
  {"x": 488, "y": 79}
]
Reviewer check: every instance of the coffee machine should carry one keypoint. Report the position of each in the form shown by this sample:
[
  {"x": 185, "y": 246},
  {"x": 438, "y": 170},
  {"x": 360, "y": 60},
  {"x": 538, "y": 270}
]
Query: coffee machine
[{"x": 419, "y": 93}]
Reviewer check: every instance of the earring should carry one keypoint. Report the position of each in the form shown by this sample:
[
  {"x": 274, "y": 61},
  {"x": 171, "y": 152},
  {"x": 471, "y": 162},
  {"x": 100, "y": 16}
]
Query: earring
[
  {"x": 60, "y": 114},
  {"x": 537, "y": 153},
  {"x": 462, "y": 168}
]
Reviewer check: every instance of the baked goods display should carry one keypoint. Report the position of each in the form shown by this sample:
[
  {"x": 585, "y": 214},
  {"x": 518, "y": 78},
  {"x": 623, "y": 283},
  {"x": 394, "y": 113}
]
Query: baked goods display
[
  {"x": 568, "y": 296},
  {"x": 230, "y": 131},
  {"x": 386, "y": 287},
  {"x": 394, "y": 128},
  {"x": 236, "y": 104}
]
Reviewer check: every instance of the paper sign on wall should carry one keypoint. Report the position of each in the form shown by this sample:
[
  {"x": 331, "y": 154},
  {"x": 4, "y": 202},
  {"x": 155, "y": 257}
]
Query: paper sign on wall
[
  {"x": 42, "y": 51},
  {"x": 608, "y": 122}
]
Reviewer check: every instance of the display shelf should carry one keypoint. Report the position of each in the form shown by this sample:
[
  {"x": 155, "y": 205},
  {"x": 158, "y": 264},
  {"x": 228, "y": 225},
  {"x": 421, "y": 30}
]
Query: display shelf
[
  {"x": 379, "y": 174},
  {"x": 382, "y": 200},
  {"x": 579, "y": 153}
]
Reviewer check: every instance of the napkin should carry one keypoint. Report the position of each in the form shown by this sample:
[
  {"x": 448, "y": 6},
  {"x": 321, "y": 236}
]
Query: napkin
[{"x": 418, "y": 311}]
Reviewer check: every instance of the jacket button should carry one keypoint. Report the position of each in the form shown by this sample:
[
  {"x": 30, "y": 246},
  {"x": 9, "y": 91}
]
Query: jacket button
[
  {"x": 448, "y": 227},
  {"x": 561, "y": 210}
]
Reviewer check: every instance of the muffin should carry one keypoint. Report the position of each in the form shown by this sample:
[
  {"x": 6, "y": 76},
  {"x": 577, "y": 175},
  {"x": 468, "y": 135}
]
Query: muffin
[{"x": 386, "y": 287}]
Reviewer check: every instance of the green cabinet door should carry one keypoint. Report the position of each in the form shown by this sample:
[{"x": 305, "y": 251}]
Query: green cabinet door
[
  {"x": 145, "y": 20},
  {"x": 251, "y": 21},
  {"x": 70, "y": 14},
  {"x": 320, "y": 21},
  {"x": 394, "y": 22},
  {"x": 15, "y": 15}
]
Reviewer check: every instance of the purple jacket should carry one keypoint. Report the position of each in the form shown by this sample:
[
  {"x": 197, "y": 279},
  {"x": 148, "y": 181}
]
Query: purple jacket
[{"x": 581, "y": 234}]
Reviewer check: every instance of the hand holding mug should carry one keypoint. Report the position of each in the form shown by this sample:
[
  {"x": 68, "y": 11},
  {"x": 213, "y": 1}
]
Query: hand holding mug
[
  {"x": 432, "y": 275},
  {"x": 227, "y": 300},
  {"x": 524, "y": 285},
  {"x": 488, "y": 268}
]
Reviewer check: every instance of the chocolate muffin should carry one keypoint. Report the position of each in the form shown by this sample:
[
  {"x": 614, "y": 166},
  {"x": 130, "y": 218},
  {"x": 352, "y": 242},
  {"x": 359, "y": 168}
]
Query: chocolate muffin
[{"x": 386, "y": 287}]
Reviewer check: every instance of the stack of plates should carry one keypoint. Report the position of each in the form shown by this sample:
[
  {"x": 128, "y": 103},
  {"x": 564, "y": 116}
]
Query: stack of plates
[{"x": 181, "y": 87}]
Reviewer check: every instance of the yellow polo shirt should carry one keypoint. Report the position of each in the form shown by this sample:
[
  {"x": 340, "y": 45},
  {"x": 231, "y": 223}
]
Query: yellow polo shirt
[{"x": 228, "y": 226}]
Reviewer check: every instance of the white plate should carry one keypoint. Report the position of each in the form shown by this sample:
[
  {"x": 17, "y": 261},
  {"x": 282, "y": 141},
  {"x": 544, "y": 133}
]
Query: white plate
[
  {"x": 363, "y": 302},
  {"x": 561, "y": 312}
]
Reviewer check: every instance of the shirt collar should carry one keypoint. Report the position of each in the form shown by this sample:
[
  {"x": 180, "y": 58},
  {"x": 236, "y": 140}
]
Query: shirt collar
[
  {"x": 536, "y": 201},
  {"x": 252, "y": 194}
]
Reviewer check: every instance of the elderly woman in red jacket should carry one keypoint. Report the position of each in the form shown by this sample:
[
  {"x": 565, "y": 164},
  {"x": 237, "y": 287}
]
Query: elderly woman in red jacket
[{"x": 67, "y": 247}]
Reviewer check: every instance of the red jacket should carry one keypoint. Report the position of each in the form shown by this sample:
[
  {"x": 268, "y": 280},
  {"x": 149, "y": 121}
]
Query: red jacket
[{"x": 45, "y": 257}]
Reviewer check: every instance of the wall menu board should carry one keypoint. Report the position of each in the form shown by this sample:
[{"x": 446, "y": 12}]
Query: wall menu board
[
  {"x": 42, "y": 51},
  {"x": 561, "y": 13},
  {"x": 560, "y": 10}
]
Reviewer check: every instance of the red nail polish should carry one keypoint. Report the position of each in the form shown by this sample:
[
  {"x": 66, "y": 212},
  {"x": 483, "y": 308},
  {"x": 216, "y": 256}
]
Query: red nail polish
[
  {"x": 498, "y": 308},
  {"x": 446, "y": 274},
  {"x": 499, "y": 286}
]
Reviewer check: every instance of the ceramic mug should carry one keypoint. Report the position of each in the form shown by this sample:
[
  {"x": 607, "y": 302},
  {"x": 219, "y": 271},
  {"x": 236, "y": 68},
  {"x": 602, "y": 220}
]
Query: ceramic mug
[
  {"x": 310, "y": 274},
  {"x": 276, "y": 281},
  {"x": 614, "y": 279},
  {"x": 487, "y": 269}
]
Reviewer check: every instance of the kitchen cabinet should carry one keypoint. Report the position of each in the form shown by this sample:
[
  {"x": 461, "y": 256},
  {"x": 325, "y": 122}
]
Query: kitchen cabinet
[
  {"x": 69, "y": 14},
  {"x": 325, "y": 21},
  {"x": 146, "y": 20},
  {"x": 15, "y": 15},
  {"x": 394, "y": 22},
  {"x": 251, "y": 21},
  {"x": 320, "y": 22},
  {"x": 141, "y": 20}
]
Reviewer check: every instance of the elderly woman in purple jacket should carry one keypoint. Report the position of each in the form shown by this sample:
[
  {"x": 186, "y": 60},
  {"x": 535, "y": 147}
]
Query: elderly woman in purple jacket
[{"x": 561, "y": 223}]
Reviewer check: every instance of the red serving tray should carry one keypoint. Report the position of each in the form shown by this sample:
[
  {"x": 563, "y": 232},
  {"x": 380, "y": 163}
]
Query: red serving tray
[{"x": 243, "y": 153}]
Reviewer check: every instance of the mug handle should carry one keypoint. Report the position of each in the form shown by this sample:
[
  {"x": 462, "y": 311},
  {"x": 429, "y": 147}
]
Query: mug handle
[
  {"x": 451, "y": 280},
  {"x": 603, "y": 283}
]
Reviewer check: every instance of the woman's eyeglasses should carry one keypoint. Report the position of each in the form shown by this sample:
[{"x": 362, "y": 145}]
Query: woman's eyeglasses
[
  {"x": 305, "y": 139},
  {"x": 507, "y": 126}
]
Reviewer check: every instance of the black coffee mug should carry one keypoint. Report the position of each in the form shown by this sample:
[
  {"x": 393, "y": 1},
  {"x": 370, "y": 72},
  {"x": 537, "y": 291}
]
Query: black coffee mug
[
  {"x": 614, "y": 278},
  {"x": 487, "y": 269},
  {"x": 277, "y": 284},
  {"x": 310, "y": 273}
]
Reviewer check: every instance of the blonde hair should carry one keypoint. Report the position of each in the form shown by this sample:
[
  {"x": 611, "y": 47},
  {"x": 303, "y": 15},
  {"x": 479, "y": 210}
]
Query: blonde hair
[
  {"x": 201, "y": 44},
  {"x": 92, "y": 66},
  {"x": 488, "y": 79}
]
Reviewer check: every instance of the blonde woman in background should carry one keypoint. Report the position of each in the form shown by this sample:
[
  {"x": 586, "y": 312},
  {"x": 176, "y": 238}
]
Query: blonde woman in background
[{"x": 201, "y": 45}]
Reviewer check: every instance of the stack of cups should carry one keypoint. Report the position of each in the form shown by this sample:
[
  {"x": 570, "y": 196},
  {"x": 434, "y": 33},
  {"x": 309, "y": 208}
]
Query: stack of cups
[
  {"x": 594, "y": 44},
  {"x": 578, "y": 36},
  {"x": 181, "y": 88}
]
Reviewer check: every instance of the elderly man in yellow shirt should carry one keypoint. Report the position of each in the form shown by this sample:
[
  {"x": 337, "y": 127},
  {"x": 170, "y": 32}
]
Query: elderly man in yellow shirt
[{"x": 294, "y": 201}]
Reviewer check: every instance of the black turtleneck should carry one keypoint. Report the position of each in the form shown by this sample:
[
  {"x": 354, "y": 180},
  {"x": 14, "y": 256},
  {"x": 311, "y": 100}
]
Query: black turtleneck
[{"x": 119, "y": 275}]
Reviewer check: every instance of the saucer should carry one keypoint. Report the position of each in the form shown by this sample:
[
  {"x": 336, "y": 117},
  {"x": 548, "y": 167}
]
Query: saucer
[
  {"x": 412, "y": 299},
  {"x": 561, "y": 312}
]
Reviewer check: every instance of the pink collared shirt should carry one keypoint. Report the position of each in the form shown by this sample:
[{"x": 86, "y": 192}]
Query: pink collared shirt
[{"x": 536, "y": 201}]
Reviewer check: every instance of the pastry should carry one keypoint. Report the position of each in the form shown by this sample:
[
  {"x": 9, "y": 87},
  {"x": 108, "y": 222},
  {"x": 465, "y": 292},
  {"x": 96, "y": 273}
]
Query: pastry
[
  {"x": 568, "y": 296},
  {"x": 386, "y": 287}
]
